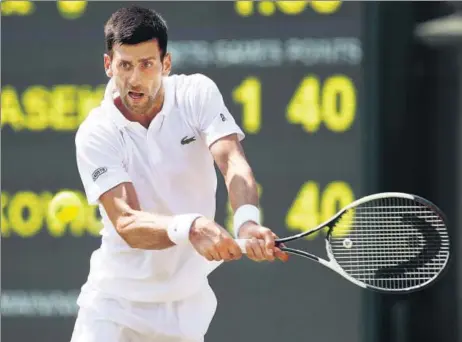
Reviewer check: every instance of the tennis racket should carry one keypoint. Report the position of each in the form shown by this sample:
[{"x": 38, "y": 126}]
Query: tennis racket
[{"x": 387, "y": 242}]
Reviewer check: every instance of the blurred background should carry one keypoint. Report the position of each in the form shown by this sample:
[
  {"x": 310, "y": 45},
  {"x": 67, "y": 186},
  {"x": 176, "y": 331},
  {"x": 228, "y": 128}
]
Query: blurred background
[{"x": 338, "y": 100}]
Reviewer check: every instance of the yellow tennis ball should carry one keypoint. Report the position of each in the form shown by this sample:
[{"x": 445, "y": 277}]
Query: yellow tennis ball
[{"x": 65, "y": 206}]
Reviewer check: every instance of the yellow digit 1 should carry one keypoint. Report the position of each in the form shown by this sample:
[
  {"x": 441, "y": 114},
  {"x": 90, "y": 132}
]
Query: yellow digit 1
[
  {"x": 304, "y": 107},
  {"x": 338, "y": 115},
  {"x": 230, "y": 212},
  {"x": 248, "y": 94},
  {"x": 304, "y": 211}
]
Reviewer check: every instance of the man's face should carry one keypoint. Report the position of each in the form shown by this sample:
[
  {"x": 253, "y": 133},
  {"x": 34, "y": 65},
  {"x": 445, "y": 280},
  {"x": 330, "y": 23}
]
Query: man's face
[{"x": 137, "y": 71}]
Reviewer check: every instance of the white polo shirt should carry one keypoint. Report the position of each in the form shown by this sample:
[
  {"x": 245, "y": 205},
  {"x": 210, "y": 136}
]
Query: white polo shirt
[{"x": 172, "y": 170}]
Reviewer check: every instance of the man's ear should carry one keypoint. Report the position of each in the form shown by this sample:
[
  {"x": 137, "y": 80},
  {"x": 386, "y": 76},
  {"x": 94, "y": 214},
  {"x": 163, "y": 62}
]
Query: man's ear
[
  {"x": 108, "y": 65},
  {"x": 167, "y": 64}
]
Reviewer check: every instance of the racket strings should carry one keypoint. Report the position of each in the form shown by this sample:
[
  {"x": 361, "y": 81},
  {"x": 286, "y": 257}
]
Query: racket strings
[{"x": 390, "y": 243}]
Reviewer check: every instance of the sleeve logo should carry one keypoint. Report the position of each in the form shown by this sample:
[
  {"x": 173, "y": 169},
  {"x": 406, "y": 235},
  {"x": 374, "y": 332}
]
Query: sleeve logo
[
  {"x": 222, "y": 116},
  {"x": 98, "y": 172}
]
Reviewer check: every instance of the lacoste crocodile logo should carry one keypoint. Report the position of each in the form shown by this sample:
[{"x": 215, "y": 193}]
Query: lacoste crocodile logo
[{"x": 187, "y": 140}]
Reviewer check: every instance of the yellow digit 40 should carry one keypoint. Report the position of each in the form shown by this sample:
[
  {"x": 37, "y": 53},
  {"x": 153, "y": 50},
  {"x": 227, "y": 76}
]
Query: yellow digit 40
[
  {"x": 332, "y": 103},
  {"x": 248, "y": 94},
  {"x": 312, "y": 207}
]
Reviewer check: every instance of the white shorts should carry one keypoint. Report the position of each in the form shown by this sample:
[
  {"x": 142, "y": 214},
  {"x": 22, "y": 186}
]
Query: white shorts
[
  {"x": 111, "y": 319},
  {"x": 90, "y": 327}
]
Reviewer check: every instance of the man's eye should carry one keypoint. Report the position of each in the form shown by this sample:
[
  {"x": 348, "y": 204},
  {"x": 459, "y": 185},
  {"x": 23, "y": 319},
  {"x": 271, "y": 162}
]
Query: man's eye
[
  {"x": 148, "y": 64},
  {"x": 125, "y": 65}
]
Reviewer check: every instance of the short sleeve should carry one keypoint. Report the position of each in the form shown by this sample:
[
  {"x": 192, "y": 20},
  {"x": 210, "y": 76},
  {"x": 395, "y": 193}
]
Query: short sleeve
[
  {"x": 215, "y": 120},
  {"x": 99, "y": 161}
]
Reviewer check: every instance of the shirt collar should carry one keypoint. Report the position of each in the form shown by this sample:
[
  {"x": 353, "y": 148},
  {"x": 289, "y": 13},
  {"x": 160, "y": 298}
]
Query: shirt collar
[{"x": 120, "y": 120}]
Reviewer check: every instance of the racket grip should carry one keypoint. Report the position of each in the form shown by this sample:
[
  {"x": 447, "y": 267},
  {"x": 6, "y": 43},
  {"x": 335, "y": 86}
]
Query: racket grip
[{"x": 241, "y": 243}]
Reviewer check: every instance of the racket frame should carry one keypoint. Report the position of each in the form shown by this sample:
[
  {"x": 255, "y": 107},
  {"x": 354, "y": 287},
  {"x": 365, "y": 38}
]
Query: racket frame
[{"x": 332, "y": 263}]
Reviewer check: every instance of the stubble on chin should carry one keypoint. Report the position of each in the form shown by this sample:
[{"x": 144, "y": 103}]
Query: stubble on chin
[{"x": 140, "y": 109}]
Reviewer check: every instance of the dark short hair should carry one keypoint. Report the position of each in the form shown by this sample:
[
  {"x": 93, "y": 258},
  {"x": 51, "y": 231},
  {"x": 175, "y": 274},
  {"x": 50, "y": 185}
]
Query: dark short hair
[{"x": 134, "y": 25}]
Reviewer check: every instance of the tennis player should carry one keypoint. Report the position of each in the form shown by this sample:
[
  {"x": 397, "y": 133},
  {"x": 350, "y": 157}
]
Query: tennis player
[{"x": 146, "y": 156}]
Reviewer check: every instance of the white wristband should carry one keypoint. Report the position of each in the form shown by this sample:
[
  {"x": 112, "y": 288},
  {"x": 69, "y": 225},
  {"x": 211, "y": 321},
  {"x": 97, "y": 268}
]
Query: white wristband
[
  {"x": 243, "y": 214},
  {"x": 178, "y": 230}
]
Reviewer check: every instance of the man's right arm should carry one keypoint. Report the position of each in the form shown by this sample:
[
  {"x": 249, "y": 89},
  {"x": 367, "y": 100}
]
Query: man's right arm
[
  {"x": 106, "y": 182},
  {"x": 145, "y": 230},
  {"x": 139, "y": 229}
]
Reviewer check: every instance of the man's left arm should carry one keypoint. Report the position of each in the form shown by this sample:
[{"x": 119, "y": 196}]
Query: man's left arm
[
  {"x": 243, "y": 195},
  {"x": 222, "y": 135}
]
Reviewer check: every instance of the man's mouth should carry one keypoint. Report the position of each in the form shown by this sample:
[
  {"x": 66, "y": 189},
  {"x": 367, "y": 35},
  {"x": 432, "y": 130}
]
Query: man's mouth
[{"x": 135, "y": 95}]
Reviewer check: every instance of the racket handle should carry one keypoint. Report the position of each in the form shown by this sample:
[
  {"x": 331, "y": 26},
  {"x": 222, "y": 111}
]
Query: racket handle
[{"x": 241, "y": 243}]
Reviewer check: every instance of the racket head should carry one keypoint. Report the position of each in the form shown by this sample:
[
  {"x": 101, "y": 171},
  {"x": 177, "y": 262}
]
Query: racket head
[{"x": 389, "y": 242}]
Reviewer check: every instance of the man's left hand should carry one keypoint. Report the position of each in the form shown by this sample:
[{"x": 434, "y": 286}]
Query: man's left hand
[{"x": 261, "y": 243}]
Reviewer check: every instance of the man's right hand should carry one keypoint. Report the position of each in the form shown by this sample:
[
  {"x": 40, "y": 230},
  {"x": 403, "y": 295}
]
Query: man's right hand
[{"x": 212, "y": 241}]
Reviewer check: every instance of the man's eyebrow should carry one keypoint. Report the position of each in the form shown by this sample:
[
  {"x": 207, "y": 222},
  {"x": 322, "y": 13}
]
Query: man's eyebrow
[
  {"x": 139, "y": 60},
  {"x": 146, "y": 58}
]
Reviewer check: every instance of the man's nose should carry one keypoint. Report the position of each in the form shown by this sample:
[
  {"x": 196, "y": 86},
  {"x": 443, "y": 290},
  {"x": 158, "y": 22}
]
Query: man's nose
[{"x": 135, "y": 79}]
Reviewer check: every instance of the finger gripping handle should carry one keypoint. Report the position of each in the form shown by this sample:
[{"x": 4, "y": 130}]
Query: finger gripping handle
[{"x": 242, "y": 242}]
